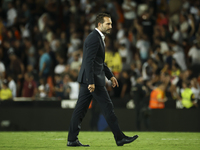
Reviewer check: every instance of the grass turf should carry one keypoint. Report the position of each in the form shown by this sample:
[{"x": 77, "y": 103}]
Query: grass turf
[{"x": 99, "y": 141}]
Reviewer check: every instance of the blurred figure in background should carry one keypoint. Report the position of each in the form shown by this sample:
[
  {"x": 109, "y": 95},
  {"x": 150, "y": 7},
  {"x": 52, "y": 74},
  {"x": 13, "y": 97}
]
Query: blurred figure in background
[
  {"x": 2, "y": 70},
  {"x": 12, "y": 85},
  {"x": 30, "y": 52},
  {"x": 30, "y": 70},
  {"x": 195, "y": 87},
  {"x": 188, "y": 98},
  {"x": 29, "y": 86},
  {"x": 5, "y": 92},
  {"x": 129, "y": 8},
  {"x": 60, "y": 67},
  {"x": 177, "y": 35},
  {"x": 43, "y": 88},
  {"x": 143, "y": 46},
  {"x": 58, "y": 89},
  {"x": 16, "y": 68},
  {"x": 194, "y": 53},
  {"x": 138, "y": 92},
  {"x": 66, "y": 87},
  {"x": 44, "y": 63},
  {"x": 75, "y": 64},
  {"x": 157, "y": 97},
  {"x": 11, "y": 15}
]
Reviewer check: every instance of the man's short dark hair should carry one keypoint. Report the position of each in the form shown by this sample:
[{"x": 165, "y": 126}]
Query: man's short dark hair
[{"x": 100, "y": 18}]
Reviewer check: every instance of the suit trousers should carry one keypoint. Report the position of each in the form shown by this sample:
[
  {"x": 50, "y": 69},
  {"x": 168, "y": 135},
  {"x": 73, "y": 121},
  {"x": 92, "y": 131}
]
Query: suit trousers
[{"x": 101, "y": 95}]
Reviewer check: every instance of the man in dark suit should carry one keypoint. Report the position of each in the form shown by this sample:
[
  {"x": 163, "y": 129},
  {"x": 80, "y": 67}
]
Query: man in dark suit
[{"x": 92, "y": 84}]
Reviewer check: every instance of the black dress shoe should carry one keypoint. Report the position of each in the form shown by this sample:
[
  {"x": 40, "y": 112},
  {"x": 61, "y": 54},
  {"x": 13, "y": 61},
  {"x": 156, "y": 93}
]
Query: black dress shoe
[
  {"x": 126, "y": 140},
  {"x": 76, "y": 143}
]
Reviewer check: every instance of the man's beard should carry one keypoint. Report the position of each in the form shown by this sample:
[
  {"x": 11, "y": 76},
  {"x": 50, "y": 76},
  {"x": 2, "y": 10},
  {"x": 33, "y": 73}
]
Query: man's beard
[{"x": 104, "y": 32}]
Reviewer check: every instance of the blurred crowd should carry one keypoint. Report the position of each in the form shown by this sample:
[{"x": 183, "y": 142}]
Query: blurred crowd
[{"x": 41, "y": 46}]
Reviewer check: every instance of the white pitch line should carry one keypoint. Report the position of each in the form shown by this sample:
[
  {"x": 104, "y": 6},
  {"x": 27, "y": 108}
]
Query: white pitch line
[
  {"x": 60, "y": 139},
  {"x": 179, "y": 139}
]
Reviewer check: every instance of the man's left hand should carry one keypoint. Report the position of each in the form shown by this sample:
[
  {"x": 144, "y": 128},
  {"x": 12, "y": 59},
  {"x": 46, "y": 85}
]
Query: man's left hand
[{"x": 114, "y": 82}]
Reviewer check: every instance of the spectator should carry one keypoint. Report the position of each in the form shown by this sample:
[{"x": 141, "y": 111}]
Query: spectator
[
  {"x": 148, "y": 69},
  {"x": 191, "y": 21},
  {"x": 42, "y": 22},
  {"x": 157, "y": 97},
  {"x": 177, "y": 35},
  {"x": 5, "y": 92},
  {"x": 74, "y": 45},
  {"x": 148, "y": 24},
  {"x": 129, "y": 8},
  {"x": 58, "y": 89},
  {"x": 126, "y": 85},
  {"x": 184, "y": 26},
  {"x": 134, "y": 74},
  {"x": 12, "y": 85},
  {"x": 7, "y": 48},
  {"x": 11, "y": 15},
  {"x": 25, "y": 33},
  {"x": 113, "y": 61},
  {"x": 31, "y": 52},
  {"x": 24, "y": 14},
  {"x": 143, "y": 46},
  {"x": 121, "y": 31},
  {"x": 66, "y": 87},
  {"x": 195, "y": 87},
  {"x": 37, "y": 37},
  {"x": 44, "y": 63},
  {"x": 29, "y": 86},
  {"x": 162, "y": 19},
  {"x": 124, "y": 41},
  {"x": 175, "y": 71},
  {"x": 19, "y": 50},
  {"x": 123, "y": 52},
  {"x": 169, "y": 58},
  {"x": 75, "y": 64},
  {"x": 138, "y": 92},
  {"x": 63, "y": 40},
  {"x": 16, "y": 68},
  {"x": 188, "y": 99},
  {"x": 2, "y": 70},
  {"x": 178, "y": 55},
  {"x": 184, "y": 77},
  {"x": 43, "y": 88},
  {"x": 60, "y": 67},
  {"x": 30, "y": 70},
  {"x": 194, "y": 54},
  {"x": 74, "y": 89},
  {"x": 138, "y": 62},
  {"x": 163, "y": 45}
]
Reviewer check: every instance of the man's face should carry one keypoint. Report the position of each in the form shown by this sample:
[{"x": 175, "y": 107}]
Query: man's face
[{"x": 106, "y": 26}]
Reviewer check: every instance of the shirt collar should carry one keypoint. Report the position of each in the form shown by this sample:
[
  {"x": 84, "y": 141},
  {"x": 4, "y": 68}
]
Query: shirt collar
[{"x": 102, "y": 35}]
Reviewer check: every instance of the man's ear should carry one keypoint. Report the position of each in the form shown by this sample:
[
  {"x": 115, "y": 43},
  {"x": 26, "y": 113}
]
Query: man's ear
[{"x": 99, "y": 24}]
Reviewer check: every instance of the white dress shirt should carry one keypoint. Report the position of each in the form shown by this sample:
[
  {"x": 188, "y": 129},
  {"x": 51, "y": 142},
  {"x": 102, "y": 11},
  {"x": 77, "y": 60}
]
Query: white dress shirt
[{"x": 102, "y": 35}]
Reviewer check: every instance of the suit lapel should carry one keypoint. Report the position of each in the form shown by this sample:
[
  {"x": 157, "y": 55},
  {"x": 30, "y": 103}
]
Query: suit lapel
[{"x": 101, "y": 40}]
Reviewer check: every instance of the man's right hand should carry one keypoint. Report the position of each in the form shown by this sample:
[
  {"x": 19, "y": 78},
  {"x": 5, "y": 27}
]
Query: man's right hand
[
  {"x": 91, "y": 88},
  {"x": 114, "y": 82}
]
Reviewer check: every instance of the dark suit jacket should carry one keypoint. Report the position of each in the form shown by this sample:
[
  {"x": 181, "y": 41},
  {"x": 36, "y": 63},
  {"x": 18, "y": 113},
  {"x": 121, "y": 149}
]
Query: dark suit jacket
[{"x": 93, "y": 69}]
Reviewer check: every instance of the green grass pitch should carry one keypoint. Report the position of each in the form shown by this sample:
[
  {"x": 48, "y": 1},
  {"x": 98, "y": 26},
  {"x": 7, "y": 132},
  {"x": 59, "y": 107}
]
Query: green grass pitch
[{"x": 99, "y": 141}]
